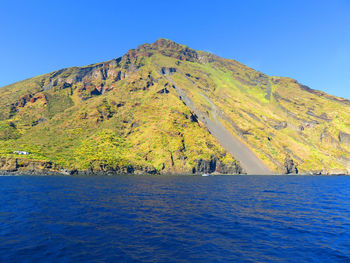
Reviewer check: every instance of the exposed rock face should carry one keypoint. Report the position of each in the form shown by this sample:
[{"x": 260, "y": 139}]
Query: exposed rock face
[
  {"x": 280, "y": 125},
  {"x": 120, "y": 76},
  {"x": 205, "y": 166},
  {"x": 228, "y": 169},
  {"x": 162, "y": 91},
  {"x": 40, "y": 120},
  {"x": 169, "y": 48},
  {"x": 329, "y": 172},
  {"x": 215, "y": 166},
  {"x": 23, "y": 101},
  {"x": 168, "y": 71},
  {"x": 25, "y": 165},
  {"x": 327, "y": 138},
  {"x": 290, "y": 166},
  {"x": 344, "y": 138},
  {"x": 323, "y": 116},
  {"x": 130, "y": 169}
]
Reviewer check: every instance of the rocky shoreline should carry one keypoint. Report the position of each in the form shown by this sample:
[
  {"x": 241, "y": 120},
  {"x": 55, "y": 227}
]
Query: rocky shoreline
[
  {"x": 88, "y": 173},
  {"x": 21, "y": 166}
]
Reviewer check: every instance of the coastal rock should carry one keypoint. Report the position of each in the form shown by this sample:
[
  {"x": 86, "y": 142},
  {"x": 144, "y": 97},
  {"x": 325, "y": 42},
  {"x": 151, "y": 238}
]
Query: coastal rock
[
  {"x": 290, "y": 166},
  {"x": 330, "y": 172},
  {"x": 214, "y": 165},
  {"x": 103, "y": 169},
  {"x": 9, "y": 165},
  {"x": 206, "y": 166},
  {"x": 19, "y": 165}
]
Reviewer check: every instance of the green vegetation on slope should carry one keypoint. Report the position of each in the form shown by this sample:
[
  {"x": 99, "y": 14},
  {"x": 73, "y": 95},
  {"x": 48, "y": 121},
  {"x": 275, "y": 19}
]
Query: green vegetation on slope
[{"x": 126, "y": 116}]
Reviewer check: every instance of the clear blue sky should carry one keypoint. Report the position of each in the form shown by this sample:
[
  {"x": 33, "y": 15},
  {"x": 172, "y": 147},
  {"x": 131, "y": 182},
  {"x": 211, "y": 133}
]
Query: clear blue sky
[{"x": 308, "y": 40}]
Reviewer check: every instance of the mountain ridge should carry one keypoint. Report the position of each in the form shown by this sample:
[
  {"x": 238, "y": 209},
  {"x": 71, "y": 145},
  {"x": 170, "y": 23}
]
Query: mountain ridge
[
  {"x": 256, "y": 109},
  {"x": 170, "y": 42}
]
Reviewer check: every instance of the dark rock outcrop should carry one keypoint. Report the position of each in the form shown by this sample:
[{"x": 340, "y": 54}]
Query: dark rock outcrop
[
  {"x": 168, "y": 71},
  {"x": 290, "y": 166},
  {"x": 120, "y": 76},
  {"x": 214, "y": 165},
  {"x": 17, "y": 165},
  {"x": 329, "y": 172},
  {"x": 40, "y": 120},
  {"x": 101, "y": 169},
  {"x": 205, "y": 166},
  {"x": 323, "y": 116},
  {"x": 23, "y": 101},
  {"x": 163, "y": 91}
]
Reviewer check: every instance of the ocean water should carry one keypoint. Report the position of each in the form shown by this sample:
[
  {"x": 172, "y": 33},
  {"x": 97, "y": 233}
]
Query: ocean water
[{"x": 175, "y": 219}]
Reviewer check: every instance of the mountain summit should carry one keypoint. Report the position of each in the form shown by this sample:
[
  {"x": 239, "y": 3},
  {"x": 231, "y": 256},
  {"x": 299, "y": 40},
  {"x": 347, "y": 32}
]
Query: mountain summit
[{"x": 165, "y": 108}]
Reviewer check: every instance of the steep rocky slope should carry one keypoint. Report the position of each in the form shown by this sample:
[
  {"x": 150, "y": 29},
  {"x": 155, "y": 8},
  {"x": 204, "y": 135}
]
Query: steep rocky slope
[{"x": 166, "y": 108}]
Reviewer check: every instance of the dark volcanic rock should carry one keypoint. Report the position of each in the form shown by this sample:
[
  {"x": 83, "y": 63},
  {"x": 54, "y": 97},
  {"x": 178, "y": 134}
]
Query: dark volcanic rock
[
  {"x": 23, "y": 101},
  {"x": 290, "y": 166},
  {"x": 25, "y": 165},
  {"x": 206, "y": 166},
  {"x": 102, "y": 169},
  {"x": 40, "y": 120},
  {"x": 194, "y": 117},
  {"x": 214, "y": 165},
  {"x": 168, "y": 71},
  {"x": 163, "y": 91},
  {"x": 120, "y": 76},
  {"x": 95, "y": 92}
]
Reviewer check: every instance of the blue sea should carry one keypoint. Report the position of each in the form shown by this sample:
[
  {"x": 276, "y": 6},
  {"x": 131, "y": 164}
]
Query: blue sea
[{"x": 175, "y": 219}]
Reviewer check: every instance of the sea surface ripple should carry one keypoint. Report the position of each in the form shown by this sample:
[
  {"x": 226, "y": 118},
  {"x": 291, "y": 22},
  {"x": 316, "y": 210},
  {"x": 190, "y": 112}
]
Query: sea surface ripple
[{"x": 175, "y": 219}]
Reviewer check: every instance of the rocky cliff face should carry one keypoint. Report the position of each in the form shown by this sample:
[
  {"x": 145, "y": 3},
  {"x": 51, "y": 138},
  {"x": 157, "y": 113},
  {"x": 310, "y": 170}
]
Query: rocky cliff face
[
  {"x": 21, "y": 165},
  {"x": 26, "y": 166},
  {"x": 214, "y": 165},
  {"x": 136, "y": 114},
  {"x": 290, "y": 167}
]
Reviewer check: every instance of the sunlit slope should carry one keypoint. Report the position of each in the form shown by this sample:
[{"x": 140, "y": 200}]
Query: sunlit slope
[
  {"x": 125, "y": 115},
  {"x": 277, "y": 117}
]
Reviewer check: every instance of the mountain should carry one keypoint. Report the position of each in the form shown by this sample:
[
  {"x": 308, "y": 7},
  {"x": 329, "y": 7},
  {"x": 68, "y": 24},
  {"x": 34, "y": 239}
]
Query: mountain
[{"x": 165, "y": 108}]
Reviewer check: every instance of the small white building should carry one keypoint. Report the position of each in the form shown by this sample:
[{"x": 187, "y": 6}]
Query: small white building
[{"x": 21, "y": 152}]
